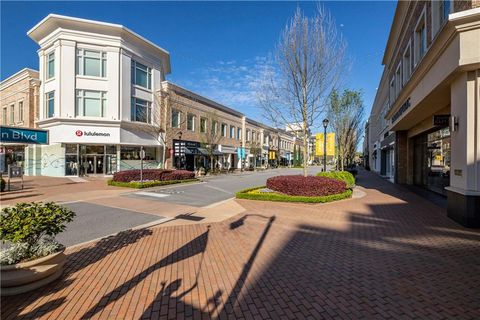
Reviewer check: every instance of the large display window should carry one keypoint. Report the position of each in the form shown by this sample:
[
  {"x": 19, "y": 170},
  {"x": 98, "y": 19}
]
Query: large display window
[{"x": 432, "y": 160}]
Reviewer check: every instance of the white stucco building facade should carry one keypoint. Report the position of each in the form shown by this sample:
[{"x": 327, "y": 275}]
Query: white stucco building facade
[{"x": 97, "y": 97}]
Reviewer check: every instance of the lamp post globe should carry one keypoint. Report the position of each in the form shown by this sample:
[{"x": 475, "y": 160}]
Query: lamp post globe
[{"x": 325, "y": 125}]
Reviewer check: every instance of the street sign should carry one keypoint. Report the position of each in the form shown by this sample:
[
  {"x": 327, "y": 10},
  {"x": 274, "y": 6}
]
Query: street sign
[{"x": 23, "y": 135}]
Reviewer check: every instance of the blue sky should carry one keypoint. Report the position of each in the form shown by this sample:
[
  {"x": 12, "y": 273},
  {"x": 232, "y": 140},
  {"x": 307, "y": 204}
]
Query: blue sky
[{"x": 215, "y": 47}]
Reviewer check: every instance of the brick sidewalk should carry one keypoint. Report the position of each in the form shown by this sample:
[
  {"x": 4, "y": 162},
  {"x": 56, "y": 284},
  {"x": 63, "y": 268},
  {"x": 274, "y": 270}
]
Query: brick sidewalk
[{"x": 390, "y": 254}]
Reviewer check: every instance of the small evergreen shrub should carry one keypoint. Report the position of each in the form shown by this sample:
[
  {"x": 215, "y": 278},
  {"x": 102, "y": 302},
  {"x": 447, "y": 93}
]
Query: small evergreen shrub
[
  {"x": 310, "y": 186},
  {"x": 345, "y": 176},
  {"x": 29, "y": 229}
]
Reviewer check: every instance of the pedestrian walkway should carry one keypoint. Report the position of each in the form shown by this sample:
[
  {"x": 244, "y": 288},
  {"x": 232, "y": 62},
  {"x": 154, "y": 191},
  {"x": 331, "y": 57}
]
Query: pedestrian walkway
[{"x": 390, "y": 254}]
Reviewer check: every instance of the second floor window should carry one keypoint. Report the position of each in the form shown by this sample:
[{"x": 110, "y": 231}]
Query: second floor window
[
  {"x": 20, "y": 111},
  {"x": 175, "y": 119},
  {"x": 214, "y": 127},
  {"x": 91, "y": 63},
  {"x": 91, "y": 103},
  {"x": 420, "y": 41},
  {"x": 50, "y": 104},
  {"x": 239, "y": 133},
  {"x": 190, "y": 122},
  {"x": 232, "y": 132},
  {"x": 4, "y": 116},
  {"x": 12, "y": 114},
  {"x": 224, "y": 130},
  {"x": 203, "y": 125},
  {"x": 141, "y": 110},
  {"x": 141, "y": 75},
  {"x": 50, "y": 65}
]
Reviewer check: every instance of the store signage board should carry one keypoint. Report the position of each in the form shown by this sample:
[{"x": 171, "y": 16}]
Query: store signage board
[
  {"x": 441, "y": 120},
  {"x": 23, "y": 135}
]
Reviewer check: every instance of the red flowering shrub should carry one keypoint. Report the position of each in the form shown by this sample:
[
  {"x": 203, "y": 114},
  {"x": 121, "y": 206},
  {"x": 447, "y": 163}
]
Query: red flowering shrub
[
  {"x": 134, "y": 175},
  {"x": 152, "y": 175},
  {"x": 306, "y": 186},
  {"x": 178, "y": 175}
]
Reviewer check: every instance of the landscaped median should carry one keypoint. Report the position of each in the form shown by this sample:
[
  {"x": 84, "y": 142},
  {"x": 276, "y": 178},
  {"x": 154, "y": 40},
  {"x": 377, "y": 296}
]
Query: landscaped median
[
  {"x": 297, "y": 188},
  {"x": 150, "y": 178}
]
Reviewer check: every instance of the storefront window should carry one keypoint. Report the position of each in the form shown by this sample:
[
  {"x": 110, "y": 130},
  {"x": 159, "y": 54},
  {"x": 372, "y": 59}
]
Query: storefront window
[
  {"x": 133, "y": 153},
  {"x": 71, "y": 160},
  {"x": 95, "y": 150}
]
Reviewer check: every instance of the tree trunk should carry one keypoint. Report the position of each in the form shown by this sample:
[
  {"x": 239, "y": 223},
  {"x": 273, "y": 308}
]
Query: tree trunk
[{"x": 305, "y": 153}]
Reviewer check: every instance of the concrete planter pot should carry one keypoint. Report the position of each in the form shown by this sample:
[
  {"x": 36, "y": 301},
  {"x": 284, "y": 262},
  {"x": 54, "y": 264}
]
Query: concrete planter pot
[{"x": 26, "y": 276}]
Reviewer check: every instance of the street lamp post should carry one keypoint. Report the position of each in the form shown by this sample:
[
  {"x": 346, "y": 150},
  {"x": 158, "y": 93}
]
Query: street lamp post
[{"x": 325, "y": 125}]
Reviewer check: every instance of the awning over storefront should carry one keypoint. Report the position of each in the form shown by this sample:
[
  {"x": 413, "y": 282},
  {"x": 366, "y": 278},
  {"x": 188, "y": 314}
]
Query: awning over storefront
[
  {"x": 205, "y": 152},
  {"x": 227, "y": 149}
]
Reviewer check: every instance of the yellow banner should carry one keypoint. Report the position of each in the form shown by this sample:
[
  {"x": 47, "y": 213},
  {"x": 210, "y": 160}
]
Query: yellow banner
[{"x": 319, "y": 141}]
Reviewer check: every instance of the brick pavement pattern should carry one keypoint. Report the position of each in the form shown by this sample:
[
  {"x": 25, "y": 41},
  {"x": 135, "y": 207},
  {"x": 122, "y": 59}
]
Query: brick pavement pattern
[{"x": 389, "y": 255}]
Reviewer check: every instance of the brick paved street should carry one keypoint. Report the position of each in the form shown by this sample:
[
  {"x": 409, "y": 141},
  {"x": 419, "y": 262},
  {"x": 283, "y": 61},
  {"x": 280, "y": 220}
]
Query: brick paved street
[{"x": 388, "y": 255}]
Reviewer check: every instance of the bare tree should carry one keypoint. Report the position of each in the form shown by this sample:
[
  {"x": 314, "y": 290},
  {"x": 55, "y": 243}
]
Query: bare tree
[
  {"x": 211, "y": 137},
  {"x": 307, "y": 66},
  {"x": 346, "y": 113},
  {"x": 156, "y": 120}
]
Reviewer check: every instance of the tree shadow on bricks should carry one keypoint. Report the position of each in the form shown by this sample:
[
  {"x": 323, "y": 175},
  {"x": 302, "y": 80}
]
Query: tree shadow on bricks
[
  {"x": 196, "y": 246},
  {"x": 76, "y": 261},
  {"x": 383, "y": 263}
]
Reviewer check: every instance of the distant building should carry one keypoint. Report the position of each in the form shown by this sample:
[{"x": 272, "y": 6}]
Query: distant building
[{"x": 19, "y": 103}]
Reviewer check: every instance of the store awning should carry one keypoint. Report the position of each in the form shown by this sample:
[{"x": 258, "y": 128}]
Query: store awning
[{"x": 205, "y": 152}]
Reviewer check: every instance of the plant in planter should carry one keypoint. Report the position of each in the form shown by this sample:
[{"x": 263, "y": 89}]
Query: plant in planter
[{"x": 31, "y": 257}]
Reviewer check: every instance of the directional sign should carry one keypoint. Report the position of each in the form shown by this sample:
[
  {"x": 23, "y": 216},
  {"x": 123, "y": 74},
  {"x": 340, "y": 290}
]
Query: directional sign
[{"x": 23, "y": 135}]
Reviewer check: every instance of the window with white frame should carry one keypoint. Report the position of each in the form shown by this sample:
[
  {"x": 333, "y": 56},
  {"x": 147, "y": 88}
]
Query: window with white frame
[
  {"x": 91, "y": 103},
  {"x": 203, "y": 125},
  {"x": 141, "y": 110},
  {"x": 50, "y": 65},
  {"x": 407, "y": 64},
  {"x": 440, "y": 11},
  {"x": 232, "y": 132},
  {"x": 239, "y": 133},
  {"x": 392, "y": 90},
  {"x": 141, "y": 75},
  {"x": 175, "y": 119},
  {"x": 12, "y": 114},
  {"x": 398, "y": 80},
  {"x": 224, "y": 130},
  {"x": 248, "y": 135},
  {"x": 91, "y": 63},
  {"x": 20, "y": 111},
  {"x": 420, "y": 39},
  {"x": 190, "y": 122},
  {"x": 50, "y": 104},
  {"x": 214, "y": 127}
]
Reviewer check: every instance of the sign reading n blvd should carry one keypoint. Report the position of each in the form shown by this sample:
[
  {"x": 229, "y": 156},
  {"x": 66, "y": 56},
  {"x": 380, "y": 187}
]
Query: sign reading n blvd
[{"x": 23, "y": 135}]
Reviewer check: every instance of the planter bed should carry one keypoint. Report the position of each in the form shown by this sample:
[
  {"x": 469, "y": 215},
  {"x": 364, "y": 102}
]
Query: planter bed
[
  {"x": 147, "y": 184},
  {"x": 26, "y": 276},
  {"x": 258, "y": 193}
]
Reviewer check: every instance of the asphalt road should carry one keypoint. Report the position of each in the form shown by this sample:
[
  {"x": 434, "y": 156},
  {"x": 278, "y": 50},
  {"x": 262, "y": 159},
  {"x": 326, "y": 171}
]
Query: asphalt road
[
  {"x": 94, "y": 221},
  {"x": 216, "y": 188}
]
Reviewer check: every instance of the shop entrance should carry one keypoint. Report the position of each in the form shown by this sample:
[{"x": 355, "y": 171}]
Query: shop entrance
[
  {"x": 431, "y": 168},
  {"x": 93, "y": 164}
]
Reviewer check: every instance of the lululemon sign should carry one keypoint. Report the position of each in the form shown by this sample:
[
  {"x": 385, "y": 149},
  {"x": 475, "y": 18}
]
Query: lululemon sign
[{"x": 84, "y": 134}]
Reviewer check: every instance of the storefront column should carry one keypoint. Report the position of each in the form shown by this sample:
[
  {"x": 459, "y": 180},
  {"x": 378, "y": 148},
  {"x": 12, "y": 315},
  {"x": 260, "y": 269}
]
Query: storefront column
[
  {"x": 401, "y": 157},
  {"x": 464, "y": 191},
  {"x": 118, "y": 158}
]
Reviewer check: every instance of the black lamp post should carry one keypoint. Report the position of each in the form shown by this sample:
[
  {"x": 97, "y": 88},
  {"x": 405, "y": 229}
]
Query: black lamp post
[{"x": 325, "y": 125}]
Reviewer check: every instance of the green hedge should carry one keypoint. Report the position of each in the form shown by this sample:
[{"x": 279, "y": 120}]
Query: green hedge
[
  {"x": 274, "y": 196},
  {"x": 147, "y": 184},
  {"x": 345, "y": 176}
]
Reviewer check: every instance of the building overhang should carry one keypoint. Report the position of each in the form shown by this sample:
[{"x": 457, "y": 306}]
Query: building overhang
[{"x": 53, "y": 22}]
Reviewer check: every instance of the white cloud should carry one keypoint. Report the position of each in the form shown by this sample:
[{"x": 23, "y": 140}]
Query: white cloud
[{"x": 232, "y": 83}]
